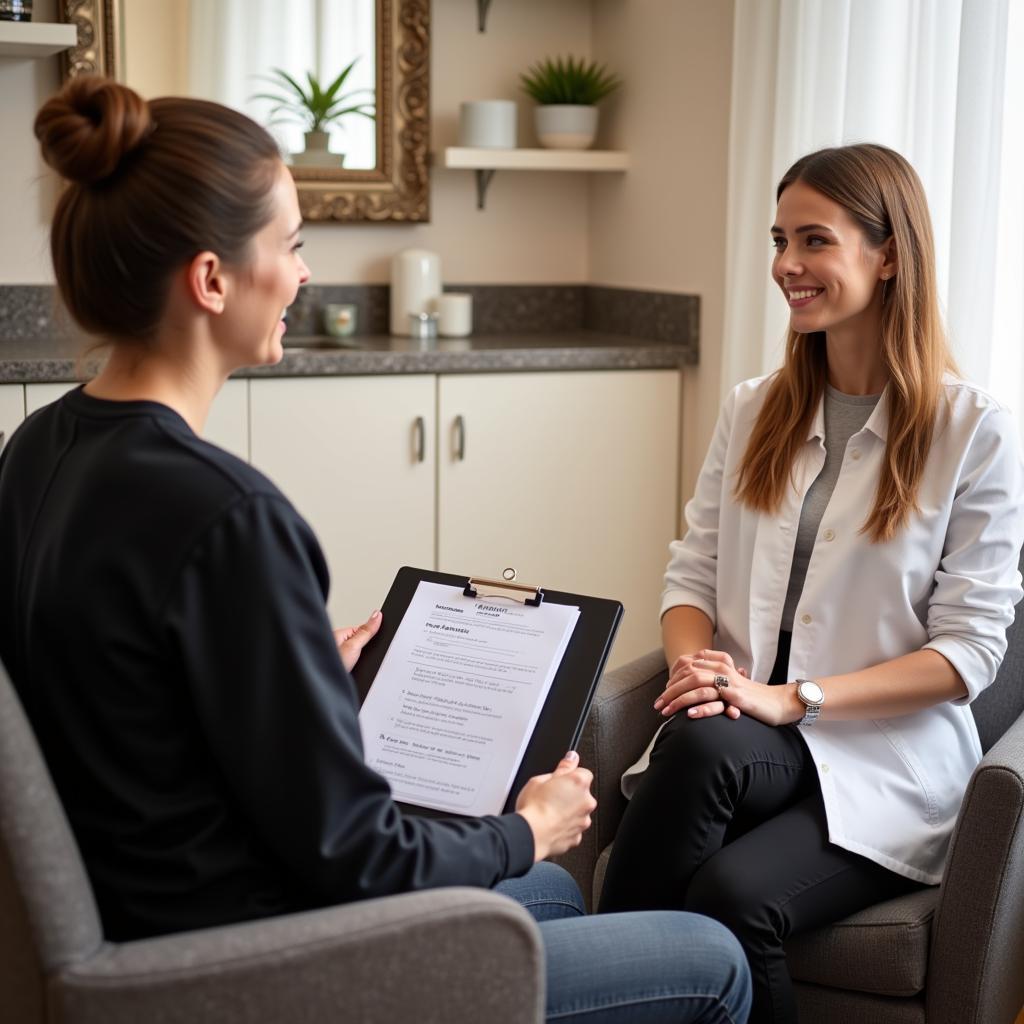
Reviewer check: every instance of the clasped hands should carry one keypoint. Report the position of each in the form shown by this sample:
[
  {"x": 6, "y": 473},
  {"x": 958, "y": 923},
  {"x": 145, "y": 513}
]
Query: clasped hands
[{"x": 691, "y": 688}]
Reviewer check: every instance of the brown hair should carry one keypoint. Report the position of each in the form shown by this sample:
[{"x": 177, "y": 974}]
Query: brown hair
[
  {"x": 883, "y": 194},
  {"x": 150, "y": 185}
]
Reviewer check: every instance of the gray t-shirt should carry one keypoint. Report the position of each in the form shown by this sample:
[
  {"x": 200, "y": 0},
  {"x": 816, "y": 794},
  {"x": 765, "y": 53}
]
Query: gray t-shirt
[{"x": 844, "y": 416}]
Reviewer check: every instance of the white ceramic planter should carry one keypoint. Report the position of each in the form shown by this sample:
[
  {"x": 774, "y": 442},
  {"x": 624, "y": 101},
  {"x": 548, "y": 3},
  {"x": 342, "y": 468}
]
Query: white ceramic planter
[
  {"x": 316, "y": 153},
  {"x": 561, "y": 126}
]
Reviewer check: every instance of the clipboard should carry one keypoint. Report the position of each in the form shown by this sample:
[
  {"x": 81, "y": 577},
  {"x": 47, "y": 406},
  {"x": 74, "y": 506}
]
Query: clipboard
[{"x": 565, "y": 709}]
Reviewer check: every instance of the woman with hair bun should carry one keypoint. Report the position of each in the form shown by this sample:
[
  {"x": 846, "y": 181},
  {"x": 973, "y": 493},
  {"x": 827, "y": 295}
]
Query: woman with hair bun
[
  {"x": 162, "y": 604},
  {"x": 841, "y": 596}
]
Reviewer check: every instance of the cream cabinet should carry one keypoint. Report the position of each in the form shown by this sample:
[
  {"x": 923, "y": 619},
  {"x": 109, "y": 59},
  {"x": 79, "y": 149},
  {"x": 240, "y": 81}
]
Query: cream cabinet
[
  {"x": 12, "y": 410},
  {"x": 228, "y": 422},
  {"x": 38, "y": 395},
  {"x": 570, "y": 478},
  {"x": 226, "y": 426},
  {"x": 356, "y": 455}
]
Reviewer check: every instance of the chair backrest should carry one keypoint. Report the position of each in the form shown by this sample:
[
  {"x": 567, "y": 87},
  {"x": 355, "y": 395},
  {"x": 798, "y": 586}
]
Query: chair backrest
[
  {"x": 998, "y": 707},
  {"x": 48, "y": 915}
]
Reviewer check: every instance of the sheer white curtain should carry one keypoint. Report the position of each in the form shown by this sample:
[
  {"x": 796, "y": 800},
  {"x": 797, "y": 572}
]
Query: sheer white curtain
[
  {"x": 929, "y": 78},
  {"x": 232, "y": 42}
]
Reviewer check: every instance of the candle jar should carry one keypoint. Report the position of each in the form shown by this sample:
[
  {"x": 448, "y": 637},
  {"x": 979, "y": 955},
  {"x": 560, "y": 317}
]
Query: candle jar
[
  {"x": 454, "y": 315},
  {"x": 415, "y": 285},
  {"x": 340, "y": 319}
]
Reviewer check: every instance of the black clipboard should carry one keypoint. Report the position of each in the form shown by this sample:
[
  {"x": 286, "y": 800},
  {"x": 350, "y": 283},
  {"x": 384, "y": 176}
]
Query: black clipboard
[{"x": 565, "y": 710}]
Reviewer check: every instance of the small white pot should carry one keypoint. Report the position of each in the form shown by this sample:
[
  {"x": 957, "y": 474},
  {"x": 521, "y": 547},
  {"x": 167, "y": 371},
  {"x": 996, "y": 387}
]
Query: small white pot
[
  {"x": 316, "y": 142},
  {"x": 316, "y": 153},
  {"x": 563, "y": 126}
]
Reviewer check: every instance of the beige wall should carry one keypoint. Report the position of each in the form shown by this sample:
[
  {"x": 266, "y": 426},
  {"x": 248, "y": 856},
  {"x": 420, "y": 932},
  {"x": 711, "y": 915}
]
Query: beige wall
[
  {"x": 534, "y": 229},
  {"x": 662, "y": 225}
]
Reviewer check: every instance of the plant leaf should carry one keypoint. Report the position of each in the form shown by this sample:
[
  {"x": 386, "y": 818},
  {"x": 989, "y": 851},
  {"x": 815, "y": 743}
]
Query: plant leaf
[
  {"x": 333, "y": 88},
  {"x": 317, "y": 108},
  {"x": 568, "y": 80}
]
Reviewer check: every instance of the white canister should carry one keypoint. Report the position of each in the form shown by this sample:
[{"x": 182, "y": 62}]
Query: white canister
[
  {"x": 488, "y": 124},
  {"x": 415, "y": 286},
  {"x": 454, "y": 315}
]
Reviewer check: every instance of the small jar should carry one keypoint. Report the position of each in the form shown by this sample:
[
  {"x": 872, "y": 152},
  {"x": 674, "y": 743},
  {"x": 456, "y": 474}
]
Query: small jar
[
  {"x": 340, "y": 319},
  {"x": 422, "y": 326},
  {"x": 15, "y": 10},
  {"x": 454, "y": 315}
]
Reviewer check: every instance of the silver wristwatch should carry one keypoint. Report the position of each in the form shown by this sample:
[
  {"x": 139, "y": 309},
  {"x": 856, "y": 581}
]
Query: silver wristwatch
[{"x": 812, "y": 696}]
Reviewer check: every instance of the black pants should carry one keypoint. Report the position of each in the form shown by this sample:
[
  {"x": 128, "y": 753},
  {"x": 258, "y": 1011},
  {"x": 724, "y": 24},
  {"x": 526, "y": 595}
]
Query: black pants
[{"x": 728, "y": 821}]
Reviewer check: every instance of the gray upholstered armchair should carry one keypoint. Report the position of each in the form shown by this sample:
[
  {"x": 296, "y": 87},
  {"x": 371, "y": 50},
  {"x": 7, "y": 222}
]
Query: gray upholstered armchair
[
  {"x": 444, "y": 956},
  {"x": 953, "y": 954}
]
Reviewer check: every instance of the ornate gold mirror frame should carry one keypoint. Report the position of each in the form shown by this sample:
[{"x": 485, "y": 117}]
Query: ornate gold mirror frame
[{"x": 398, "y": 188}]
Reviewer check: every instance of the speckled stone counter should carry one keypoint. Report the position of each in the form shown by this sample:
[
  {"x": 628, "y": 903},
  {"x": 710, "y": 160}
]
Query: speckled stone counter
[
  {"x": 516, "y": 328},
  {"x": 40, "y": 361}
]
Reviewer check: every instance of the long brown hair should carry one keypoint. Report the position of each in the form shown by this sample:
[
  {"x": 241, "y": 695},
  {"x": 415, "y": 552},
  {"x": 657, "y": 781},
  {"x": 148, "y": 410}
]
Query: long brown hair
[
  {"x": 884, "y": 196},
  {"x": 150, "y": 185}
]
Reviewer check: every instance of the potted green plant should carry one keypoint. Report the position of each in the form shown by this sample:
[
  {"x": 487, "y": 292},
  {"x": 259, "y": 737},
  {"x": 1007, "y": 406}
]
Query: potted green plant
[
  {"x": 316, "y": 108},
  {"x": 567, "y": 92}
]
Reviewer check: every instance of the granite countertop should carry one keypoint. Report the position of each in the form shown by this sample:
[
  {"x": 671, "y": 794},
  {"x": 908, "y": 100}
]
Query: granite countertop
[{"x": 54, "y": 360}]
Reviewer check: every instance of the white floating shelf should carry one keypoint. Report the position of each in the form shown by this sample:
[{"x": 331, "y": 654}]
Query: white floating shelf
[
  {"x": 35, "y": 39},
  {"x": 486, "y": 161},
  {"x": 535, "y": 159}
]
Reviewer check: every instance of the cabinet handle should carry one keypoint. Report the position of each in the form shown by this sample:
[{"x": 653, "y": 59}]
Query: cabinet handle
[
  {"x": 419, "y": 432},
  {"x": 460, "y": 439}
]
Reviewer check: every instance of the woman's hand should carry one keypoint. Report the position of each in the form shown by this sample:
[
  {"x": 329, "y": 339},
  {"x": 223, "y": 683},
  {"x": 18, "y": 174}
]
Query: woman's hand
[
  {"x": 557, "y": 807},
  {"x": 691, "y": 688},
  {"x": 352, "y": 639}
]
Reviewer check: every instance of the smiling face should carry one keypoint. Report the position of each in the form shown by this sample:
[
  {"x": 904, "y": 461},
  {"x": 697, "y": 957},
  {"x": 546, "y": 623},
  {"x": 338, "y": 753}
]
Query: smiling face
[
  {"x": 264, "y": 287},
  {"x": 829, "y": 273}
]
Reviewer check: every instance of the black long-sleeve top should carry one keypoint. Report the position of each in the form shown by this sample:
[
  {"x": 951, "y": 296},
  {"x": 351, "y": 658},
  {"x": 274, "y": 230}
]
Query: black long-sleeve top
[{"x": 162, "y": 616}]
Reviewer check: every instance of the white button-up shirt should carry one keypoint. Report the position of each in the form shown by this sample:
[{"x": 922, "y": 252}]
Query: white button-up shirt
[{"x": 948, "y": 581}]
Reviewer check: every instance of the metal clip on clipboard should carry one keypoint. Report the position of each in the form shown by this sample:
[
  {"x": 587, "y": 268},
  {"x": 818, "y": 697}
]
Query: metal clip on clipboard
[{"x": 507, "y": 588}]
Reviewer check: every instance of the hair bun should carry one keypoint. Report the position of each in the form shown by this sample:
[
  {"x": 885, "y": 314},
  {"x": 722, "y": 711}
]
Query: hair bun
[{"x": 89, "y": 126}]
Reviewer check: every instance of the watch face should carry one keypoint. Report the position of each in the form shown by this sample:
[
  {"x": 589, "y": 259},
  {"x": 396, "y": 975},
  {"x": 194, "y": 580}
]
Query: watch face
[{"x": 810, "y": 692}]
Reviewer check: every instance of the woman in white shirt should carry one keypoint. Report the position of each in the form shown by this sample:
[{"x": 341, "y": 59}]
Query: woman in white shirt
[{"x": 840, "y": 597}]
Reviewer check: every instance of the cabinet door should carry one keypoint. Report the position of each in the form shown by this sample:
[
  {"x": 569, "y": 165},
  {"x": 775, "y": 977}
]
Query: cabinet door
[
  {"x": 356, "y": 455},
  {"x": 228, "y": 423},
  {"x": 38, "y": 395},
  {"x": 12, "y": 410},
  {"x": 570, "y": 478}
]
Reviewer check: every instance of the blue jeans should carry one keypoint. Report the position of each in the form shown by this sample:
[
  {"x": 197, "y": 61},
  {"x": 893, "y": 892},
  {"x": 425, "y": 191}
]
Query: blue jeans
[{"x": 641, "y": 968}]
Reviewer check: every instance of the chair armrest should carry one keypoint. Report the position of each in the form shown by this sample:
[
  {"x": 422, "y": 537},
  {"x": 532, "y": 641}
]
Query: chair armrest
[
  {"x": 974, "y": 971},
  {"x": 446, "y": 955},
  {"x": 619, "y": 727}
]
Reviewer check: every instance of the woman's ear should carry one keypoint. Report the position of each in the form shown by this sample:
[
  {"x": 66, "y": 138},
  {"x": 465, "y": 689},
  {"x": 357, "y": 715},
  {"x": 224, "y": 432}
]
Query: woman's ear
[
  {"x": 206, "y": 282},
  {"x": 890, "y": 262}
]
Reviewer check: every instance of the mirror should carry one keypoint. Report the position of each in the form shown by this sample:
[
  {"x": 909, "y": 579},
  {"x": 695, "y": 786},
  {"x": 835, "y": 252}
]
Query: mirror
[{"x": 385, "y": 174}]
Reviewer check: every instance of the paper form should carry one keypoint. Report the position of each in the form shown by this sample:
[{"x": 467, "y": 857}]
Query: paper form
[{"x": 452, "y": 709}]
